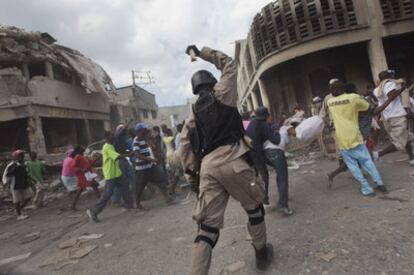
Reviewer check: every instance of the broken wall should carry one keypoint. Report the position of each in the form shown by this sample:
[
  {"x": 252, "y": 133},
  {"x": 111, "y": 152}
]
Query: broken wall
[
  {"x": 64, "y": 95},
  {"x": 12, "y": 83}
]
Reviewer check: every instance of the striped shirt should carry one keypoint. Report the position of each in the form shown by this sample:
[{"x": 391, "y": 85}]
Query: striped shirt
[{"x": 142, "y": 147}]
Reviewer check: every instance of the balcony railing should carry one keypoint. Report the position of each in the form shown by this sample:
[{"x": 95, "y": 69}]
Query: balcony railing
[
  {"x": 394, "y": 10},
  {"x": 286, "y": 22}
]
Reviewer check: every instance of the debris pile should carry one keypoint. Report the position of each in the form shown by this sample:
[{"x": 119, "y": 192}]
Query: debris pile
[{"x": 71, "y": 251}]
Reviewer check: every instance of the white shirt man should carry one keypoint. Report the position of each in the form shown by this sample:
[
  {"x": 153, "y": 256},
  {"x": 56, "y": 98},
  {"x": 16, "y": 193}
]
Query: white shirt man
[{"x": 395, "y": 109}]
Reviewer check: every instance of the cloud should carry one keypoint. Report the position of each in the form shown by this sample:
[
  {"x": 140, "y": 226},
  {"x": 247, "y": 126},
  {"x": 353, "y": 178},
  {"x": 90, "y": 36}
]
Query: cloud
[{"x": 146, "y": 35}]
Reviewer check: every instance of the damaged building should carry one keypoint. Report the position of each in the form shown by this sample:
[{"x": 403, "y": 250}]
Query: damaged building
[
  {"x": 294, "y": 47},
  {"x": 51, "y": 96},
  {"x": 133, "y": 103}
]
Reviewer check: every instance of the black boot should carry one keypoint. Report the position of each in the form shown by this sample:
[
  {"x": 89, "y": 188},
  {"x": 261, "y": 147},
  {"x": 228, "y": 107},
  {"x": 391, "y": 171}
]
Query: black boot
[{"x": 264, "y": 257}]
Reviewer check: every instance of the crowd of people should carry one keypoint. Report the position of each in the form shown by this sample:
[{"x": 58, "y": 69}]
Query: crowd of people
[
  {"x": 352, "y": 118},
  {"x": 130, "y": 159},
  {"x": 222, "y": 153}
]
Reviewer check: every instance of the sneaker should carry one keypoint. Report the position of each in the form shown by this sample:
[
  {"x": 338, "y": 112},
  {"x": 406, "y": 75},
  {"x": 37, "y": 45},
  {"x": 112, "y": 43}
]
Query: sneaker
[
  {"x": 382, "y": 189},
  {"x": 93, "y": 218},
  {"x": 411, "y": 162},
  {"x": 22, "y": 217},
  {"x": 375, "y": 156},
  {"x": 266, "y": 202},
  {"x": 370, "y": 195},
  {"x": 285, "y": 211}
]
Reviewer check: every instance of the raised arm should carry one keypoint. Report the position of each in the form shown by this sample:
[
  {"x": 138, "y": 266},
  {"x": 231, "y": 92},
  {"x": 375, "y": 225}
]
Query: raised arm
[
  {"x": 226, "y": 88},
  {"x": 391, "y": 96}
]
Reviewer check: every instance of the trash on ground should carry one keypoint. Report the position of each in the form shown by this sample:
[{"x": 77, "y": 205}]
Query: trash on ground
[
  {"x": 30, "y": 237},
  {"x": 6, "y": 235},
  {"x": 15, "y": 258},
  {"x": 90, "y": 236},
  {"x": 62, "y": 265},
  {"x": 234, "y": 267},
  {"x": 293, "y": 165},
  {"x": 68, "y": 243},
  {"x": 328, "y": 257},
  {"x": 108, "y": 245},
  {"x": 82, "y": 252},
  {"x": 57, "y": 257}
]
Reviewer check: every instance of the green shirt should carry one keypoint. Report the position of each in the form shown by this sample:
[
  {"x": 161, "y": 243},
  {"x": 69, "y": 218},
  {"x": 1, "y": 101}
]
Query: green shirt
[
  {"x": 110, "y": 163},
  {"x": 35, "y": 170}
]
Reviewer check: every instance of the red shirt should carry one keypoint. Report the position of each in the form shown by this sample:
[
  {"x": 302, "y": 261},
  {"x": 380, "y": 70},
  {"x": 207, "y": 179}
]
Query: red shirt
[{"x": 80, "y": 164}]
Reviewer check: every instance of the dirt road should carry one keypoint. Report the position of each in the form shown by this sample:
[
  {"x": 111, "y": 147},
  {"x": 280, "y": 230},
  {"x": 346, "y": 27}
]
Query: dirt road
[{"x": 332, "y": 232}]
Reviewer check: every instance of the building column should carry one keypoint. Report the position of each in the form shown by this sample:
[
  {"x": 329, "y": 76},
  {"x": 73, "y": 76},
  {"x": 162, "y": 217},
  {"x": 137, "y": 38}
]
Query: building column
[
  {"x": 249, "y": 104},
  {"x": 26, "y": 72},
  {"x": 264, "y": 94},
  {"x": 254, "y": 100},
  {"x": 377, "y": 58},
  {"x": 49, "y": 70},
  {"x": 35, "y": 135},
  {"x": 87, "y": 126}
]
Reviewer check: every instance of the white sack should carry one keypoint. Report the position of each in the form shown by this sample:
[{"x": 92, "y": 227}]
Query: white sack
[{"x": 310, "y": 129}]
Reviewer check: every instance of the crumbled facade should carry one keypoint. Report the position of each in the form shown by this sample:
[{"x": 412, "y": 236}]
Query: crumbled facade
[
  {"x": 51, "y": 96},
  {"x": 133, "y": 103}
]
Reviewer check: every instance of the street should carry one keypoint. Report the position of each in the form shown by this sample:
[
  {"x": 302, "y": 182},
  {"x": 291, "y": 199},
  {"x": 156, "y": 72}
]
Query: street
[{"x": 333, "y": 231}]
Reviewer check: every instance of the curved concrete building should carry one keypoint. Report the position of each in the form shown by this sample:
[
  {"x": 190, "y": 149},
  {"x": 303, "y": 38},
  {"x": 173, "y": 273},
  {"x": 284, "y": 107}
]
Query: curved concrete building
[{"x": 295, "y": 46}]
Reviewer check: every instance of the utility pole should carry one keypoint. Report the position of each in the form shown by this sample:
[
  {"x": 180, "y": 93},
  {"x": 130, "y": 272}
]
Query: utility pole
[{"x": 143, "y": 77}]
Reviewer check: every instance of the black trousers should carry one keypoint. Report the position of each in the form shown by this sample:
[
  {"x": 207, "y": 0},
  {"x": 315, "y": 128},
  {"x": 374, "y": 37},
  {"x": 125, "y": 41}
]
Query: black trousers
[{"x": 156, "y": 175}]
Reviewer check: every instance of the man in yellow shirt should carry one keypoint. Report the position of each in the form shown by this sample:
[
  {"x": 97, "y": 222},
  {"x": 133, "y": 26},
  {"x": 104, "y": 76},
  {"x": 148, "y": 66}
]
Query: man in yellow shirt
[{"x": 345, "y": 109}]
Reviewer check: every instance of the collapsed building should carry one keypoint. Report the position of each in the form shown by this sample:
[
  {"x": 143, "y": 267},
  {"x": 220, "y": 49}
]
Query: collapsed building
[
  {"x": 133, "y": 103},
  {"x": 294, "y": 47},
  {"x": 51, "y": 96}
]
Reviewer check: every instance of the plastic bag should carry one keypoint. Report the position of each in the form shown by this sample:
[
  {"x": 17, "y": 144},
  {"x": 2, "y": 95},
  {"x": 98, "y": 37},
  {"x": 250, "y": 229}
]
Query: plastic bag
[
  {"x": 310, "y": 128},
  {"x": 90, "y": 176}
]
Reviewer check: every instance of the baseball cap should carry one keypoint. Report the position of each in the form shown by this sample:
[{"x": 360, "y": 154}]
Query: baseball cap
[{"x": 140, "y": 126}]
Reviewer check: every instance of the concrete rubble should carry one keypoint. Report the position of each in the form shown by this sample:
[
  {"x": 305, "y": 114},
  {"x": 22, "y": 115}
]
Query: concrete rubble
[
  {"x": 30, "y": 237},
  {"x": 15, "y": 258},
  {"x": 51, "y": 96}
]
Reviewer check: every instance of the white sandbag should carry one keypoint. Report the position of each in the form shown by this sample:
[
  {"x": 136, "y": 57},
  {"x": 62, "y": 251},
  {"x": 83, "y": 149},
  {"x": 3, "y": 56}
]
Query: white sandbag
[{"x": 310, "y": 128}]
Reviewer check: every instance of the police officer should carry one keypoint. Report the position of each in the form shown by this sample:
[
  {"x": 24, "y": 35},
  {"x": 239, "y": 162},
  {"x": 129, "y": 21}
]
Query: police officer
[{"x": 215, "y": 158}]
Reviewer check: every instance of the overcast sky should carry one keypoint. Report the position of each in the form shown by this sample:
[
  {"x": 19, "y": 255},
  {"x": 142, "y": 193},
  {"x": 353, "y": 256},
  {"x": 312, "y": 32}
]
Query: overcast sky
[{"x": 146, "y": 35}]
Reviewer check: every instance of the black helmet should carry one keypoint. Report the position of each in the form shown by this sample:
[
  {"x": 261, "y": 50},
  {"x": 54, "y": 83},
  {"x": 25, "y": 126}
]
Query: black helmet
[
  {"x": 202, "y": 78},
  {"x": 262, "y": 113}
]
